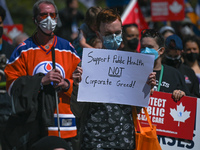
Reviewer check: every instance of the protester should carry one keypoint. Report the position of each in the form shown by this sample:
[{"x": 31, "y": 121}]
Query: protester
[
  {"x": 70, "y": 19},
  {"x": 130, "y": 37},
  {"x": 32, "y": 81},
  {"x": 168, "y": 79},
  {"x": 166, "y": 31},
  {"x": 100, "y": 126},
  {"x": 172, "y": 57},
  {"x": 50, "y": 143},
  {"x": 191, "y": 54},
  {"x": 5, "y": 101},
  {"x": 87, "y": 30}
]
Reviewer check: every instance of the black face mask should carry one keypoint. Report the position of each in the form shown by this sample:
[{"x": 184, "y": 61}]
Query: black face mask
[
  {"x": 133, "y": 43},
  {"x": 1, "y": 31},
  {"x": 174, "y": 62},
  {"x": 192, "y": 56}
]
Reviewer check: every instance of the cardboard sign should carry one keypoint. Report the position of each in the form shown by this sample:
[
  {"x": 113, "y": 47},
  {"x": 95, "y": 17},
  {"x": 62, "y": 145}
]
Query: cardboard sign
[
  {"x": 112, "y": 76},
  {"x": 170, "y": 118},
  {"x": 167, "y": 10}
]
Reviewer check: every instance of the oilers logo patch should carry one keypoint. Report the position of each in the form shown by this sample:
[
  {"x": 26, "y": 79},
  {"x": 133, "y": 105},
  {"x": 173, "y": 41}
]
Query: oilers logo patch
[{"x": 46, "y": 66}]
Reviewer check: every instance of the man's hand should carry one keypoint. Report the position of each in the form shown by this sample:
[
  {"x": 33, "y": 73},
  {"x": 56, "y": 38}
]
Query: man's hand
[
  {"x": 52, "y": 76},
  {"x": 177, "y": 95},
  {"x": 152, "y": 81},
  {"x": 77, "y": 75}
]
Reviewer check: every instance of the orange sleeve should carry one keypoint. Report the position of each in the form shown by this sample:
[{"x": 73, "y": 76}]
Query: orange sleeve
[{"x": 15, "y": 69}]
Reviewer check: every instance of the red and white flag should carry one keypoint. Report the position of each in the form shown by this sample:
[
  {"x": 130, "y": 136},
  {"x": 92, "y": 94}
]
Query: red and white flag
[{"x": 133, "y": 14}]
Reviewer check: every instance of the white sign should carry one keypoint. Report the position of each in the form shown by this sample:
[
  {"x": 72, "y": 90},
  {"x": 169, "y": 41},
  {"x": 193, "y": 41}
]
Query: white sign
[
  {"x": 111, "y": 76},
  {"x": 171, "y": 143}
]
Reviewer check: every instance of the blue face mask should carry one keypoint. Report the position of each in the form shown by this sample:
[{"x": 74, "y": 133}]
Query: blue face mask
[
  {"x": 152, "y": 51},
  {"x": 112, "y": 41}
]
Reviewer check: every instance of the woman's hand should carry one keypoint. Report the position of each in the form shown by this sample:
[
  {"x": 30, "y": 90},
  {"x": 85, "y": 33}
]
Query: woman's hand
[
  {"x": 152, "y": 81},
  {"x": 177, "y": 95}
]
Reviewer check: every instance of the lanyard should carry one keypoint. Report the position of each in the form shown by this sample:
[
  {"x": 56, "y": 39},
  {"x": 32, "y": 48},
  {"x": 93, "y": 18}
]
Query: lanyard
[{"x": 160, "y": 78}]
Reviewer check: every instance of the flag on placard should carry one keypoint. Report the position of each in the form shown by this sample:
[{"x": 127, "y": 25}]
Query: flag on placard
[{"x": 133, "y": 14}]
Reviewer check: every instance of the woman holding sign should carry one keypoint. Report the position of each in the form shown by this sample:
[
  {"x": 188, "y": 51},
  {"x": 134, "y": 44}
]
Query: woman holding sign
[{"x": 168, "y": 79}]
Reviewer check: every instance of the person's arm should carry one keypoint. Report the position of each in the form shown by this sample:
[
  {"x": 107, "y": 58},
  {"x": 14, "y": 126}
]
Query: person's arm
[
  {"x": 77, "y": 107},
  {"x": 15, "y": 68},
  {"x": 67, "y": 82},
  {"x": 151, "y": 81},
  {"x": 83, "y": 42},
  {"x": 195, "y": 87}
]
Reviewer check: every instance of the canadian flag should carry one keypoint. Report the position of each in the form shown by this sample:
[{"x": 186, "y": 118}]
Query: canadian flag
[{"x": 133, "y": 14}]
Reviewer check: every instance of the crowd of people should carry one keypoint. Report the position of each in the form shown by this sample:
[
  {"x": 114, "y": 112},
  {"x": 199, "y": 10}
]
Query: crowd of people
[{"x": 40, "y": 75}]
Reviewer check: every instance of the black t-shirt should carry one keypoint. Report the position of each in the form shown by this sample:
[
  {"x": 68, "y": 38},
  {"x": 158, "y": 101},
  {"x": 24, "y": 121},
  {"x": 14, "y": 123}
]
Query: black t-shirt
[
  {"x": 172, "y": 80},
  {"x": 109, "y": 126},
  {"x": 191, "y": 79}
]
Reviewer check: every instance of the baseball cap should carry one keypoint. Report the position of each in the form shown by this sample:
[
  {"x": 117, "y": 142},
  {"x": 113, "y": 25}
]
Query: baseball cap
[
  {"x": 166, "y": 28},
  {"x": 174, "y": 42}
]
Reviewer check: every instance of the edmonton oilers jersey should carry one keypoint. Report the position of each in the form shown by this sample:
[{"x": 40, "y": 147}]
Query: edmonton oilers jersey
[{"x": 30, "y": 58}]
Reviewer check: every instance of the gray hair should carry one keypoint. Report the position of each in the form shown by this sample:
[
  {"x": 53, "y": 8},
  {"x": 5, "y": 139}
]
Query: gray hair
[{"x": 36, "y": 9}]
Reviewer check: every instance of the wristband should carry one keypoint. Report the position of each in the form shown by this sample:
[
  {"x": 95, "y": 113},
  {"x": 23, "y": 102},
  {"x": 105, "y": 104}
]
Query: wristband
[{"x": 67, "y": 88}]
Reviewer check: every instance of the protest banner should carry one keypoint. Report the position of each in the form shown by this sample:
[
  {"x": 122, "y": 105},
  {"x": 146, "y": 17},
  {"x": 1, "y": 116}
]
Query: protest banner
[
  {"x": 111, "y": 76},
  {"x": 172, "y": 143},
  {"x": 165, "y": 10},
  {"x": 171, "y": 118}
]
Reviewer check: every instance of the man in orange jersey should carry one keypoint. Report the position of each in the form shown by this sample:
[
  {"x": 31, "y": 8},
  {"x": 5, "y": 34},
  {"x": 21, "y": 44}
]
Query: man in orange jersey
[{"x": 32, "y": 81}]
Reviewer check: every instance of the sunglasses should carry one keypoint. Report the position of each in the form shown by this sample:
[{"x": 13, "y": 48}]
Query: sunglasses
[
  {"x": 150, "y": 33},
  {"x": 45, "y": 15}
]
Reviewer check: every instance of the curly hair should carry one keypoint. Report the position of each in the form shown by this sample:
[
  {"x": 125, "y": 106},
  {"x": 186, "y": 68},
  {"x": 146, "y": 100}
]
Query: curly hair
[{"x": 153, "y": 34}]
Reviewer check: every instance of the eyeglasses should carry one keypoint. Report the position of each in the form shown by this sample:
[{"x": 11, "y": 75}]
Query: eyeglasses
[
  {"x": 150, "y": 33},
  {"x": 45, "y": 15}
]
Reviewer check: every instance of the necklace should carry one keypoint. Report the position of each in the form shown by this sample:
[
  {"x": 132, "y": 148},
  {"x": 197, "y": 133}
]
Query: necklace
[
  {"x": 45, "y": 45},
  {"x": 160, "y": 78}
]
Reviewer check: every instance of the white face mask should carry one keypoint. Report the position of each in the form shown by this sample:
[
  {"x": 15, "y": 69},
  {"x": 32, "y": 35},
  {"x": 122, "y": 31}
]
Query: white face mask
[{"x": 48, "y": 25}]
